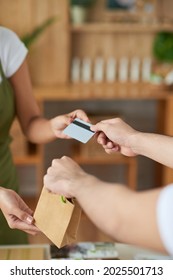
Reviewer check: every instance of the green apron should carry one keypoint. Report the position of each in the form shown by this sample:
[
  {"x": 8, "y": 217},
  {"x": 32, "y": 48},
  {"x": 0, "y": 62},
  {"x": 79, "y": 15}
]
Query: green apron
[{"x": 8, "y": 176}]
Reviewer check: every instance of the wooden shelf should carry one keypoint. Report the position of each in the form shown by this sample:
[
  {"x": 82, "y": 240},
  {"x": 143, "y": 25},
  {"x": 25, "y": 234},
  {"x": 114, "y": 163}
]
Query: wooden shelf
[
  {"x": 51, "y": 69},
  {"x": 108, "y": 159},
  {"x": 95, "y": 91},
  {"x": 24, "y": 252},
  {"x": 98, "y": 27},
  {"x": 27, "y": 160},
  {"x": 129, "y": 162}
]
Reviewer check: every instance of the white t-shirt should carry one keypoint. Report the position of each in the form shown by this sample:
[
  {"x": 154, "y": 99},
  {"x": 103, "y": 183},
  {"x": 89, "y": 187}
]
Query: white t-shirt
[
  {"x": 12, "y": 51},
  {"x": 165, "y": 217}
]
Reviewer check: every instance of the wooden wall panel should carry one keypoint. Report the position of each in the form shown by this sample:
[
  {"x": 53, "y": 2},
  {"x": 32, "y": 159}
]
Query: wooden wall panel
[
  {"x": 49, "y": 56},
  {"x": 164, "y": 9},
  {"x": 16, "y": 15},
  {"x": 112, "y": 44}
]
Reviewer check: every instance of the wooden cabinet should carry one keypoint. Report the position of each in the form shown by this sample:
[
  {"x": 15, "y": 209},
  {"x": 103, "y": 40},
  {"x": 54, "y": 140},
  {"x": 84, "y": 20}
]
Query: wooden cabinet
[
  {"x": 93, "y": 94},
  {"x": 50, "y": 61},
  {"x": 167, "y": 173},
  {"x": 28, "y": 159}
]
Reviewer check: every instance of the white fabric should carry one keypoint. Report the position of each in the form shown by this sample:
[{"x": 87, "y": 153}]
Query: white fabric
[
  {"x": 165, "y": 217},
  {"x": 12, "y": 51}
]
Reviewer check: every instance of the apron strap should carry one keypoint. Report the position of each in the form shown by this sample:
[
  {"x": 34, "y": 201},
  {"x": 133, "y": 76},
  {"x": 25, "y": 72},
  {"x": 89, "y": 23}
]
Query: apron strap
[{"x": 1, "y": 71}]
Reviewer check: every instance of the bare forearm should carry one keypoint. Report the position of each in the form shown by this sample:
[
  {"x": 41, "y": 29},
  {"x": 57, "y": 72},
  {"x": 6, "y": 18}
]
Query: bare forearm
[
  {"x": 39, "y": 131},
  {"x": 126, "y": 216},
  {"x": 155, "y": 146}
]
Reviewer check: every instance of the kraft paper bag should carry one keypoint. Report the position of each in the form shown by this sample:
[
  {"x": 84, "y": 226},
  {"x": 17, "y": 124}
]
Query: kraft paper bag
[{"x": 57, "y": 218}]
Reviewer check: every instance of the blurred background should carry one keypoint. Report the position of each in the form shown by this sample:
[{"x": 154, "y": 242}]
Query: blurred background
[{"x": 107, "y": 57}]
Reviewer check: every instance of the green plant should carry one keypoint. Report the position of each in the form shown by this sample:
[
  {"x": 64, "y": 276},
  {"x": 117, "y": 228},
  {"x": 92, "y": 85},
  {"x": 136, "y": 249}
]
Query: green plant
[
  {"x": 163, "y": 47},
  {"x": 31, "y": 37},
  {"x": 83, "y": 3}
]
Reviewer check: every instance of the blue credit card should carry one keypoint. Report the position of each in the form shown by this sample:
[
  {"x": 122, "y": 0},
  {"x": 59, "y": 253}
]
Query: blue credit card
[{"x": 79, "y": 130}]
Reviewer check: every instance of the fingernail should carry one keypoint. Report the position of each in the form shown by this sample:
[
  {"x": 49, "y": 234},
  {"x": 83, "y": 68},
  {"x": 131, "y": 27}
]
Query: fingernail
[{"x": 29, "y": 219}]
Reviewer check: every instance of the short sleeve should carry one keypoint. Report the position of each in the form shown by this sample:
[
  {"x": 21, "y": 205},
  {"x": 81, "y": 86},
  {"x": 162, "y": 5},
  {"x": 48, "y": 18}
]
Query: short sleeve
[
  {"x": 12, "y": 51},
  {"x": 165, "y": 217}
]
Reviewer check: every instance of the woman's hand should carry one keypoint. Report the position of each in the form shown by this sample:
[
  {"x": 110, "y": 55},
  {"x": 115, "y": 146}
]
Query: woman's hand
[
  {"x": 16, "y": 212},
  {"x": 59, "y": 123}
]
